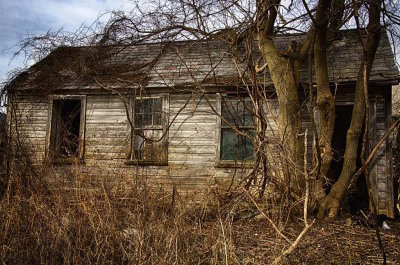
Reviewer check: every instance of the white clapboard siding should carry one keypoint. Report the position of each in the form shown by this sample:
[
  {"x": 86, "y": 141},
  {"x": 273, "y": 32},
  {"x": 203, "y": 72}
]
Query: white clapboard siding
[
  {"x": 106, "y": 129},
  {"x": 383, "y": 188},
  {"x": 192, "y": 134},
  {"x": 29, "y": 119}
]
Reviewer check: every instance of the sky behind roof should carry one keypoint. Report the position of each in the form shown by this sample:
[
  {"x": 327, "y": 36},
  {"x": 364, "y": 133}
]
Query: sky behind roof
[{"x": 18, "y": 18}]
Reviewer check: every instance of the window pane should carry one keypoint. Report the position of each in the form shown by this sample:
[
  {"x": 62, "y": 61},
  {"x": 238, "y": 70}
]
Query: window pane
[
  {"x": 249, "y": 146},
  {"x": 138, "y": 119},
  {"x": 235, "y": 146},
  {"x": 157, "y": 104},
  {"x": 138, "y": 106},
  {"x": 147, "y": 105},
  {"x": 146, "y": 119},
  {"x": 157, "y": 118},
  {"x": 228, "y": 144},
  {"x": 148, "y": 112},
  {"x": 237, "y": 112},
  {"x": 142, "y": 119},
  {"x": 229, "y": 111},
  {"x": 247, "y": 116}
]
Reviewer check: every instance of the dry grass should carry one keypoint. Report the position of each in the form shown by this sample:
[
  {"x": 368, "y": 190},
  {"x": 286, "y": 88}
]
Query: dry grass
[
  {"x": 39, "y": 225},
  {"x": 96, "y": 226},
  {"x": 344, "y": 241}
]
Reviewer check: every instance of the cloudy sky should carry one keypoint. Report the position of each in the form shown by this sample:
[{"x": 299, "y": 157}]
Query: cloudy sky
[{"x": 21, "y": 17}]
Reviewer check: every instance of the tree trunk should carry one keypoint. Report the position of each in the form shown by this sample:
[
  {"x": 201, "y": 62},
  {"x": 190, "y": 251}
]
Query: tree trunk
[
  {"x": 285, "y": 77},
  {"x": 325, "y": 99},
  {"x": 331, "y": 203}
]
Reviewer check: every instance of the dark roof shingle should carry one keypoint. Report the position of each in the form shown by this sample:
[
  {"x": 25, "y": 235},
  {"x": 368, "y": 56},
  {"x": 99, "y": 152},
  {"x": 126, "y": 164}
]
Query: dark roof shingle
[{"x": 186, "y": 63}]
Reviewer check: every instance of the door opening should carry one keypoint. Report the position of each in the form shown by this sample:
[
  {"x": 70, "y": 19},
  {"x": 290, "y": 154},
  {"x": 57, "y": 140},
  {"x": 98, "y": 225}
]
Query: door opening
[{"x": 358, "y": 194}]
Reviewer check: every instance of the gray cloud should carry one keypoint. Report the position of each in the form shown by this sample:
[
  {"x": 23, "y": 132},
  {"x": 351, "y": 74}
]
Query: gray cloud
[{"x": 23, "y": 17}]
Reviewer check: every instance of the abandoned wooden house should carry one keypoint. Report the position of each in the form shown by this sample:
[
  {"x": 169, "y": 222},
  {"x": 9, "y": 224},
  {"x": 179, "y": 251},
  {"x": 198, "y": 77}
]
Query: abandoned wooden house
[{"x": 79, "y": 104}]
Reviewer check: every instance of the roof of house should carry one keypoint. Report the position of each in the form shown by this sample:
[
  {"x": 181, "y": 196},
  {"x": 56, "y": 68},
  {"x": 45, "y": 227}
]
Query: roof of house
[{"x": 186, "y": 63}]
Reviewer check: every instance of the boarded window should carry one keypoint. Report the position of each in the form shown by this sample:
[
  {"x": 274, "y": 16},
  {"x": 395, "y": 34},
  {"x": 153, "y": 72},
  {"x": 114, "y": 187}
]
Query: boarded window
[
  {"x": 148, "y": 137},
  {"x": 237, "y": 113},
  {"x": 65, "y": 128}
]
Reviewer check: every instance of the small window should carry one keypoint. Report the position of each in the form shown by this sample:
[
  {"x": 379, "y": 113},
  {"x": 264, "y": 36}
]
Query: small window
[
  {"x": 149, "y": 139},
  {"x": 66, "y": 129},
  {"x": 237, "y": 113}
]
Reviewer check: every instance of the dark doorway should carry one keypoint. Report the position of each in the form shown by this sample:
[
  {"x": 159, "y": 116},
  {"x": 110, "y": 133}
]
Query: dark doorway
[
  {"x": 358, "y": 194},
  {"x": 342, "y": 124},
  {"x": 66, "y": 120}
]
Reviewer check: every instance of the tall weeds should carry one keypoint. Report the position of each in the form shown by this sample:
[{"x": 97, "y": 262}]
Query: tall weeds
[{"x": 81, "y": 225}]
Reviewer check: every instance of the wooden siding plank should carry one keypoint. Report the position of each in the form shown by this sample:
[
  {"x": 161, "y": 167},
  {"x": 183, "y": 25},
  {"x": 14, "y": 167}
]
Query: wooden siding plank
[{"x": 30, "y": 114}]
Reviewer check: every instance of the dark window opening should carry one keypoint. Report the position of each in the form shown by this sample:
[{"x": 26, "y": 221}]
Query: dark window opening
[
  {"x": 65, "y": 129},
  {"x": 237, "y": 113}
]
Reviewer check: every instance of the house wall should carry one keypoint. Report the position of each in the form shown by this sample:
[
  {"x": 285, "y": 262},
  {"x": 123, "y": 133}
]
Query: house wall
[
  {"x": 381, "y": 168},
  {"x": 193, "y": 139},
  {"x": 193, "y": 136},
  {"x": 28, "y": 118}
]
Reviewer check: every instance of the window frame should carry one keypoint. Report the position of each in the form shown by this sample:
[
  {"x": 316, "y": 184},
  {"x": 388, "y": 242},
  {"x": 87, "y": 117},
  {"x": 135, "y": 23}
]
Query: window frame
[
  {"x": 82, "y": 130},
  {"x": 229, "y": 163},
  {"x": 164, "y": 129}
]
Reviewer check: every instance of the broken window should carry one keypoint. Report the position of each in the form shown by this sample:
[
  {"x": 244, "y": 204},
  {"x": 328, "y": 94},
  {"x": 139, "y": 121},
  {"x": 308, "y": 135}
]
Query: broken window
[
  {"x": 237, "y": 114},
  {"x": 65, "y": 129},
  {"x": 149, "y": 140}
]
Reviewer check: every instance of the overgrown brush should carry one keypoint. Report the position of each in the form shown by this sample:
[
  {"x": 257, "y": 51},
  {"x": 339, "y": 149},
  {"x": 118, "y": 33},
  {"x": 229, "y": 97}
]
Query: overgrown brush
[
  {"x": 42, "y": 225},
  {"x": 87, "y": 222}
]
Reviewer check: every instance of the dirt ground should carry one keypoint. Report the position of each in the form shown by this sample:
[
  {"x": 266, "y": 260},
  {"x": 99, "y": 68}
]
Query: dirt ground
[{"x": 344, "y": 241}]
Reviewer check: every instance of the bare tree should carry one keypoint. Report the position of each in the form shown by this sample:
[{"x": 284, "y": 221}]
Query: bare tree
[{"x": 242, "y": 25}]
